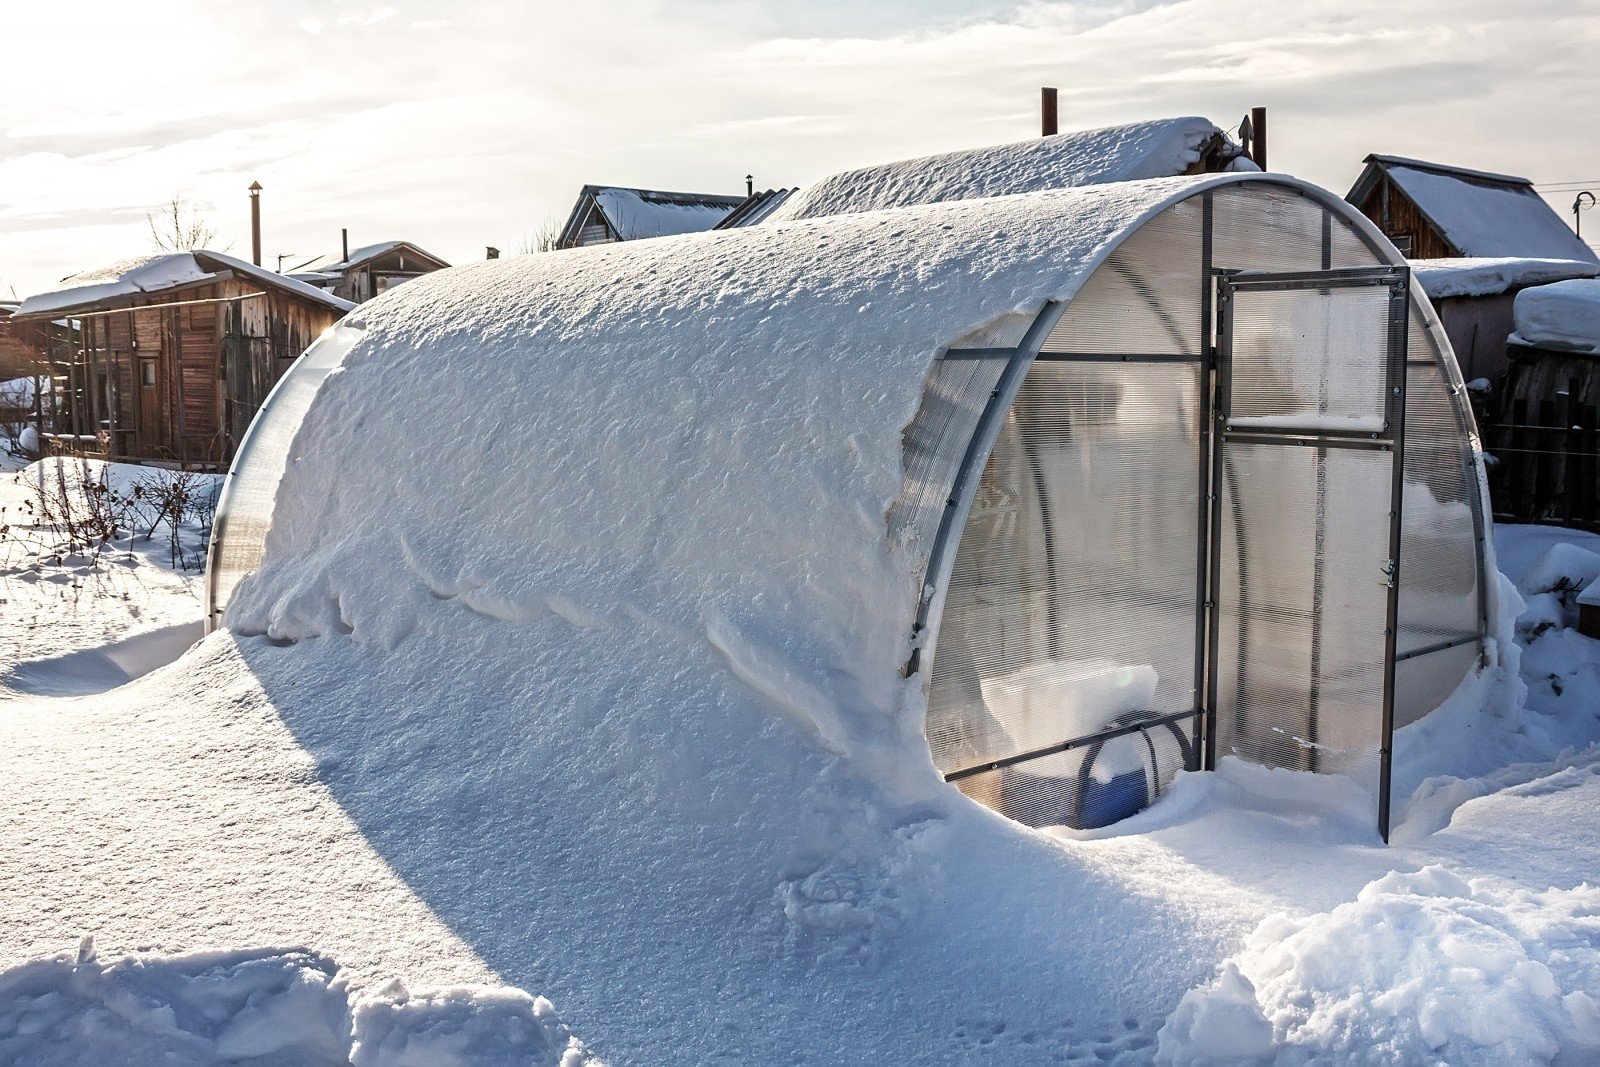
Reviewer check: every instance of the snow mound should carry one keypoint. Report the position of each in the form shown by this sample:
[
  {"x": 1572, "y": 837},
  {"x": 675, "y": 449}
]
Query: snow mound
[
  {"x": 1444, "y": 278},
  {"x": 1562, "y": 567},
  {"x": 1563, "y": 315},
  {"x": 1162, "y": 148},
  {"x": 460, "y": 1026},
  {"x": 262, "y": 1006},
  {"x": 1420, "y": 968}
]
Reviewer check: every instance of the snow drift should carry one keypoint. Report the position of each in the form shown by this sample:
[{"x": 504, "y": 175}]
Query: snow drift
[{"x": 264, "y": 1006}]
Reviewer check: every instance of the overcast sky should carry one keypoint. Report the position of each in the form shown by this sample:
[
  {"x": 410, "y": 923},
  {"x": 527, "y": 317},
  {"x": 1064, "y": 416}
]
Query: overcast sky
[{"x": 458, "y": 125}]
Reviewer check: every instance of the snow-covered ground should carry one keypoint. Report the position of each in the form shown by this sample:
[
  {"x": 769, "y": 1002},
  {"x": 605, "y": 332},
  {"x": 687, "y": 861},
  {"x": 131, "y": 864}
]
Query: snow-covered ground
[{"x": 284, "y": 854}]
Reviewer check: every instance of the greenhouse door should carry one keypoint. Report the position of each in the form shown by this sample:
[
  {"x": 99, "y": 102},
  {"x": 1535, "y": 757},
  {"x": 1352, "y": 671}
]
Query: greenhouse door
[{"x": 1306, "y": 477}]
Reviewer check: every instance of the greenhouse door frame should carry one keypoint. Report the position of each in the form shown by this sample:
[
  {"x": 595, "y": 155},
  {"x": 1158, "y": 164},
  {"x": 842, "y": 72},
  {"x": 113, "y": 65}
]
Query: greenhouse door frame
[{"x": 1230, "y": 287}]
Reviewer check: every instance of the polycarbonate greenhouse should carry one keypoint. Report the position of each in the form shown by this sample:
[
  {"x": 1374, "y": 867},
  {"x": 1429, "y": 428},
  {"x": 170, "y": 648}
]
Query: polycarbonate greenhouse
[{"x": 1186, "y": 467}]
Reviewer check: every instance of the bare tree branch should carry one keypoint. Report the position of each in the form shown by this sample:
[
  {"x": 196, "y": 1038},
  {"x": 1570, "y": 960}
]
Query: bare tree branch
[{"x": 179, "y": 227}]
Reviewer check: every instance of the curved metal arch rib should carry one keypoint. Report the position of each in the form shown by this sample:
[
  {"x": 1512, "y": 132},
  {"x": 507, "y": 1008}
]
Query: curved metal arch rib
[{"x": 964, "y": 486}]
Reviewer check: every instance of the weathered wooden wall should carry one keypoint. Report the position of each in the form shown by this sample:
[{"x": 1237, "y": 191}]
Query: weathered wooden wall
[{"x": 1393, "y": 212}]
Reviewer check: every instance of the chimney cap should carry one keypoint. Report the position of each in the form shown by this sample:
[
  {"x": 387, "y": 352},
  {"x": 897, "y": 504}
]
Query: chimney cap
[{"x": 255, "y": 187}]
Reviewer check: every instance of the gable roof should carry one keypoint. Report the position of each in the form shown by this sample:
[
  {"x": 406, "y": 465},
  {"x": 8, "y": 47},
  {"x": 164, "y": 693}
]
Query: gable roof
[
  {"x": 1479, "y": 213},
  {"x": 1162, "y": 148},
  {"x": 118, "y": 282},
  {"x": 329, "y": 265},
  {"x": 634, "y": 214}
]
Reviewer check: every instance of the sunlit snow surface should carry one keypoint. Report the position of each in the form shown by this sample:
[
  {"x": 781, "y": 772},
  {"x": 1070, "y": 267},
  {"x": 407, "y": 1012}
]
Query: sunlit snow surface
[{"x": 688, "y": 889}]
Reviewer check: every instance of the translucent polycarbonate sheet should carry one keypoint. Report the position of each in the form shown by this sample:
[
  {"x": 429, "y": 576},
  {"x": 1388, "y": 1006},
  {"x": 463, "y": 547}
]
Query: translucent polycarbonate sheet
[
  {"x": 953, "y": 399},
  {"x": 1439, "y": 547},
  {"x": 1257, "y": 227},
  {"x": 244, "y": 510},
  {"x": 1092, "y": 786},
  {"x": 1302, "y": 603},
  {"x": 1422, "y": 683},
  {"x": 1314, "y": 360},
  {"x": 1006, "y": 331},
  {"x": 1146, "y": 298},
  {"x": 1349, "y": 248},
  {"x": 1072, "y": 603}
]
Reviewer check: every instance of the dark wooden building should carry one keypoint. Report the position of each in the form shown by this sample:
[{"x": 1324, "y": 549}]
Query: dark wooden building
[
  {"x": 368, "y": 272},
  {"x": 1435, "y": 211},
  {"x": 172, "y": 354}
]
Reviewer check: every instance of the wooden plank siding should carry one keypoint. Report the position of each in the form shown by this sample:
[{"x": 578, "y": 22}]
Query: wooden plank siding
[
  {"x": 1393, "y": 212},
  {"x": 213, "y": 358}
]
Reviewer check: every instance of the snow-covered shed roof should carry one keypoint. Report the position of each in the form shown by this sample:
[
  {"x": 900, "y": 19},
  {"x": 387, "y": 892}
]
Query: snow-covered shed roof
[
  {"x": 1479, "y": 213},
  {"x": 116, "y": 282},
  {"x": 1563, "y": 315},
  {"x": 331, "y": 266},
  {"x": 634, "y": 214},
  {"x": 1158, "y": 149},
  {"x": 1488, "y": 276}
]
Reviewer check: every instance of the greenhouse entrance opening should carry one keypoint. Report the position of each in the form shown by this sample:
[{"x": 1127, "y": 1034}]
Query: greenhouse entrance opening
[
  {"x": 1307, "y": 472},
  {"x": 1180, "y": 549}
]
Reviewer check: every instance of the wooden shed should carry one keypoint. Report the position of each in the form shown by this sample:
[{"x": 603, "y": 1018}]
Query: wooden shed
[
  {"x": 174, "y": 354},
  {"x": 1436, "y": 211},
  {"x": 368, "y": 272}
]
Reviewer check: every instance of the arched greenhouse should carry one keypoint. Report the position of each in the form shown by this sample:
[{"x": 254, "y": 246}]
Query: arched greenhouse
[{"x": 1103, "y": 482}]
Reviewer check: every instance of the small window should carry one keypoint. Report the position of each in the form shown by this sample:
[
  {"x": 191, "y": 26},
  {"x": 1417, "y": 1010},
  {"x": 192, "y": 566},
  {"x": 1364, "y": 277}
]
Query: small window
[
  {"x": 1402, "y": 241},
  {"x": 147, "y": 372}
]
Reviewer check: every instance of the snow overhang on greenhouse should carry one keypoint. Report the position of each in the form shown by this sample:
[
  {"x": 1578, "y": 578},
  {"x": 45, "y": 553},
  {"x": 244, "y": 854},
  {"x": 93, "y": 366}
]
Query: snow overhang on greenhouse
[{"x": 1053, "y": 493}]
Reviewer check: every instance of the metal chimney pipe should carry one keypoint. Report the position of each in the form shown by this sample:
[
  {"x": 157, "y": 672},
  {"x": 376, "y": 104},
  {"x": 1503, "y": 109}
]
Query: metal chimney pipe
[
  {"x": 749, "y": 185},
  {"x": 1258, "y": 136},
  {"x": 344, "y": 245},
  {"x": 255, "y": 223},
  {"x": 1047, "y": 112}
]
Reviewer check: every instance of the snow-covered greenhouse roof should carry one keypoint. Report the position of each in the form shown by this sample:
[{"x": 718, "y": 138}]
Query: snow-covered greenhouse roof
[
  {"x": 1161, "y": 148},
  {"x": 1480, "y": 214},
  {"x": 118, "y": 283}
]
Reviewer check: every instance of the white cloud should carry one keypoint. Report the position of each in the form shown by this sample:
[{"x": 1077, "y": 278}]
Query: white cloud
[{"x": 476, "y": 129}]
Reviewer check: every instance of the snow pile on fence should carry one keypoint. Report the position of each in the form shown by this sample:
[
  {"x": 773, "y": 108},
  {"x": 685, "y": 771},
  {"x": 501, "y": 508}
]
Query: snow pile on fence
[
  {"x": 1425, "y": 967},
  {"x": 1563, "y": 316},
  {"x": 262, "y": 1006},
  {"x": 1160, "y": 149},
  {"x": 1445, "y": 278}
]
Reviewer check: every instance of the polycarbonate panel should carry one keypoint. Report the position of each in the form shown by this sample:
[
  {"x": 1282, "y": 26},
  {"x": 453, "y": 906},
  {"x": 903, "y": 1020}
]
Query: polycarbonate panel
[
  {"x": 1092, "y": 787},
  {"x": 1007, "y": 331},
  {"x": 1146, "y": 298},
  {"x": 1422, "y": 683},
  {"x": 953, "y": 399},
  {"x": 1072, "y": 603},
  {"x": 1302, "y": 605},
  {"x": 1348, "y": 248},
  {"x": 1314, "y": 360},
  {"x": 1439, "y": 547},
  {"x": 1258, "y": 227},
  {"x": 244, "y": 510}
]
